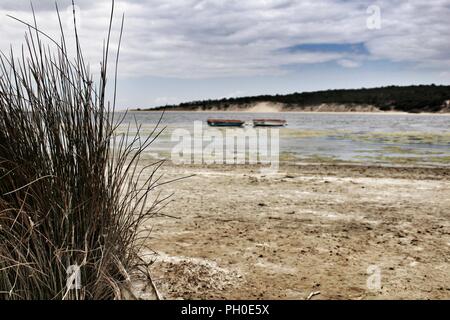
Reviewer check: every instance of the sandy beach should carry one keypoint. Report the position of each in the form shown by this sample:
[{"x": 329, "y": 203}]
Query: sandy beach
[{"x": 314, "y": 228}]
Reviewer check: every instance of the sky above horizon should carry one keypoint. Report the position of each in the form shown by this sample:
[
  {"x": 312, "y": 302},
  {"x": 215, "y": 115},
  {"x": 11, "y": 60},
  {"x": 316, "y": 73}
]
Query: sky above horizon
[{"x": 184, "y": 50}]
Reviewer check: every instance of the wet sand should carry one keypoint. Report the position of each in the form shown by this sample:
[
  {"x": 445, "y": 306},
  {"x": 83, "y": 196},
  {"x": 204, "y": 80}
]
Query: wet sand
[{"x": 310, "y": 228}]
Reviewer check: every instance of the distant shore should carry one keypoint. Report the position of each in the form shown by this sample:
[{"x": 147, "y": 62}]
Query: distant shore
[
  {"x": 410, "y": 99},
  {"x": 442, "y": 113}
]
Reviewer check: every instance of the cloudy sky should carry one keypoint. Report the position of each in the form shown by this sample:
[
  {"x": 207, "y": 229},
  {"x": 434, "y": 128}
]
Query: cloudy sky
[{"x": 181, "y": 50}]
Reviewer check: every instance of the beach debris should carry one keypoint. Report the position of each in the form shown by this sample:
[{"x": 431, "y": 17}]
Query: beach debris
[
  {"x": 188, "y": 277},
  {"x": 312, "y": 294}
]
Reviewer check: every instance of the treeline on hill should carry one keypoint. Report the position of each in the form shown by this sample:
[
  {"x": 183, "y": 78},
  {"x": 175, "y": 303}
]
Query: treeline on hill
[{"x": 422, "y": 98}]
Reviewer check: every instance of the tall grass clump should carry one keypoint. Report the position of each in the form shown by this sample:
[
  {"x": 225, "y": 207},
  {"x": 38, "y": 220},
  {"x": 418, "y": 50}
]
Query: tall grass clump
[{"x": 72, "y": 195}]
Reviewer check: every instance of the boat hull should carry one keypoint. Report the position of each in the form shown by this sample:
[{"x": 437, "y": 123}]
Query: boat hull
[
  {"x": 225, "y": 123},
  {"x": 269, "y": 123}
]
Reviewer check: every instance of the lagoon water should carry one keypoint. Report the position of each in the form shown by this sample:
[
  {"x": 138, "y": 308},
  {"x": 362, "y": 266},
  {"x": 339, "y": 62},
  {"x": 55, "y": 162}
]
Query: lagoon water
[{"x": 382, "y": 138}]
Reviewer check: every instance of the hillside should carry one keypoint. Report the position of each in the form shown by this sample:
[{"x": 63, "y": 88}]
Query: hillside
[{"x": 422, "y": 98}]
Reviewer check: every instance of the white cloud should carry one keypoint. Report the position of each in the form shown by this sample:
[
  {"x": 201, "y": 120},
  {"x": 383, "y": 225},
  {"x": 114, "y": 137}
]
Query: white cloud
[
  {"x": 219, "y": 38},
  {"x": 234, "y": 94},
  {"x": 346, "y": 63},
  {"x": 161, "y": 101}
]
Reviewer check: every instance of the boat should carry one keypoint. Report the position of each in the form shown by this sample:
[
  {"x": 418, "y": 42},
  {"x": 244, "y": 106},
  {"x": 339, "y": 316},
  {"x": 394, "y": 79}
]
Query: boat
[
  {"x": 269, "y": 122},
  {"x": 225, "y": 123}
]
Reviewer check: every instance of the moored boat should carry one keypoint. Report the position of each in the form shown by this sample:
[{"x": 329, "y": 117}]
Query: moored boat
[
  {"x": 269, "y": 122},
  {"x": 225, "y": 123}
]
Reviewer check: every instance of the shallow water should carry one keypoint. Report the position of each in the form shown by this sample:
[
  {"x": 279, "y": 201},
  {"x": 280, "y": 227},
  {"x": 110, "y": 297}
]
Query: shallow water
[{"x": 393, "y": 139}]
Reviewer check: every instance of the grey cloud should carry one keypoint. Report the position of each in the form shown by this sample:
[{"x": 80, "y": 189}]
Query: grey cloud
[
  {"x": 211, "y": 38},
  {"x": 40, "y": 5}
]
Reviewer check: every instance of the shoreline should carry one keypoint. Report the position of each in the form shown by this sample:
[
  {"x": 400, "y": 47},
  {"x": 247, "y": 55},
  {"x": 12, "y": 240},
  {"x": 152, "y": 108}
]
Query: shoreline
[{"x": 290, "y": 112}]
